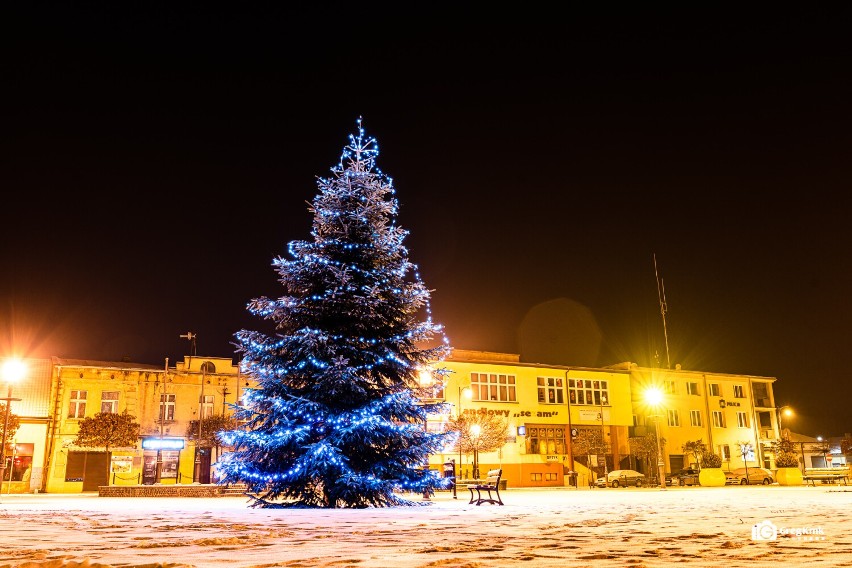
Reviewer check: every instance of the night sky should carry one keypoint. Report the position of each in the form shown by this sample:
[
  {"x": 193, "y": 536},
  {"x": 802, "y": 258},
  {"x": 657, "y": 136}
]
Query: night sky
[{"x": 155, "y": 163}]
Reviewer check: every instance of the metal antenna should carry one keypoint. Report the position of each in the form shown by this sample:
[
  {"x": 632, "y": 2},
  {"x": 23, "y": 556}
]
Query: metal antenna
[{"x": 661, "y": 295}]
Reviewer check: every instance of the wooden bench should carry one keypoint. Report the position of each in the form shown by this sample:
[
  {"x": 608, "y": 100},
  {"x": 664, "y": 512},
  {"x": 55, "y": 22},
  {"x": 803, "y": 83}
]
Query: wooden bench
[
  {"x": 826, "y": 474},
  {"x": 491, "y": 483}
]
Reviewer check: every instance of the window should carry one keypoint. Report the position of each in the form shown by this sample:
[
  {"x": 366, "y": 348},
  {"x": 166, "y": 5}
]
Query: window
[
  {"x": 669, "y": 387},
  {"x": 109, "y": 402},
  {"x": 167, "y": 407},
  {"x": 718, "y": 419},
  {"x": 77, "y": 408},
  {"x": 206, "y": 406},
  {"x": 674, "y": 417},
  {"x": 725, "y": 452},
  {"x": 584, "y": 391},
  {"x": 545, "y": 439},
  {"x": 695, "y": 417},
  {"x": 692, "y": 388},
  {"x": 493, "y": 387},
  {"x": 738, "y": 391},
  {"x": 550, "y": 390},
  {"x": 714, "y": 389},
  {"x": 742, "y": 420}
]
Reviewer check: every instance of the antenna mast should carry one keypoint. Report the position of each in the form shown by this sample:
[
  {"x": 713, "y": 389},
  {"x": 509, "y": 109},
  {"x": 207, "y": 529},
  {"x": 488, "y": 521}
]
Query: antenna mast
[{"x": 661, "y": 295}]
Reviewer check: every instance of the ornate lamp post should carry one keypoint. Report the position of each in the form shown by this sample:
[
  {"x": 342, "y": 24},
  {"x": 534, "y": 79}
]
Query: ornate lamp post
[
  {"x": 13, "y": 371},
  {"x": 654, "y": 398},
  {"x": 603, "y": 434},
  {"x": 468, "y": 394},
  {"x": 475, "y": 430}
]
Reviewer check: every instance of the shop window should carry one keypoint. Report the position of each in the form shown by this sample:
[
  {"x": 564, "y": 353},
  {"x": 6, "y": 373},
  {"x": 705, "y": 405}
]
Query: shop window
[
  {"x": 545, "y": 439},
  {"x": 19, "y": 463}
]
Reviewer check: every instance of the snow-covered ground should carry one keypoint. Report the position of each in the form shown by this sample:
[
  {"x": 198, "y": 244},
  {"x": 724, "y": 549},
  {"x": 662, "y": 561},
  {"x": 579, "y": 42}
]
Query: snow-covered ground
[{"x": 700, "y": 526}]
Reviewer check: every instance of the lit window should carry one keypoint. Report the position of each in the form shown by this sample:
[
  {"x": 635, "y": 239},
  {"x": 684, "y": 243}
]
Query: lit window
[
  {"x": 167, "y": 407},
  {"x": 77, "y": 407},
  {"x": 109, "y": 402},
  {"x": 493, "y": 387},
  {"x": 206, "y": 406},
  {"x": 673, "y": 418},
  {"x": 582, "y": 391},
  {"x": 695, "y": 417},
  {"x": 550, "y": 390}
]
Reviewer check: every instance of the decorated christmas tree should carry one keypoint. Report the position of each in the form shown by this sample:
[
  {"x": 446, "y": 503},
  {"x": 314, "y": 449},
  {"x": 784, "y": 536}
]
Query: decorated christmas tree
[{"x": 338, "y": 417}]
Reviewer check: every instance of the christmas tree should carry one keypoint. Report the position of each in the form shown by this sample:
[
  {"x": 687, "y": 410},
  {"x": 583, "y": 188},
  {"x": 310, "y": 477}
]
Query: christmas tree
[{"x": 338, "y": 417}]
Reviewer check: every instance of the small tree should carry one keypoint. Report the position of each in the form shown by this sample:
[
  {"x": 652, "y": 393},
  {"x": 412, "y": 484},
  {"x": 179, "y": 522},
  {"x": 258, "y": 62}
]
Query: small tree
[
  {"x": 711, "y": 460},
  {"x": 645, "y": 449},
  {"x": 746, "y": 453},
  {"x": 824, "y": 448},
  {"x": 491, "y": 437},
  {"x": 846, "y": 445},
  {"x": 589, "y": 442},
  {"x": 210, "y": 428},
  {"x": 107, "y": 430},
  {"x": 696, "y": 448},
  {"x": 14, "y": 424},
  {"x": 785, "y": 453}
]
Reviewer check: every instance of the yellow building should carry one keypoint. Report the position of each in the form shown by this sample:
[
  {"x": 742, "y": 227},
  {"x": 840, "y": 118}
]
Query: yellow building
[
  {"x": 550, "y": 411},
  {"x": 733, "y": 414},
  {"x": 543, "y": 404},
  {"x": 165, "y": 401}
]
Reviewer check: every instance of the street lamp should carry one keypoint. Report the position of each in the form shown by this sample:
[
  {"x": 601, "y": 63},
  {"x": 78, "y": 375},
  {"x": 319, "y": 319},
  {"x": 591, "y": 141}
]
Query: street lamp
[
  {"x": 475, "y": 429},
  {"x": 13, "y": 371},
  {"x": 654, "y": 397},
  {"x": 468, "y": 394},
  {"x": 783, "y": 411},
  {"x": 603, "y": 434}
]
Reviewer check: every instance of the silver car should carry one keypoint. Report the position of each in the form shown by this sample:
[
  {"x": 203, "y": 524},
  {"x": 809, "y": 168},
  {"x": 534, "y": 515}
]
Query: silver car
[{"x": 756, "y": 476}]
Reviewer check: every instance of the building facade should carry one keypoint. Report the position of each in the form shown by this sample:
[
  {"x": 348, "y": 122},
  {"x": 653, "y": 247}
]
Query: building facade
[{"x": 552, "y": 413}]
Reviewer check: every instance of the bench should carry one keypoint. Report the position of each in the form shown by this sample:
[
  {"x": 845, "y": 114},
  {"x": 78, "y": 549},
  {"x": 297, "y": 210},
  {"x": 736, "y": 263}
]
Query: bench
[
  {"x": 491, "y": 483},
  {"x": 826, "y": 474}
]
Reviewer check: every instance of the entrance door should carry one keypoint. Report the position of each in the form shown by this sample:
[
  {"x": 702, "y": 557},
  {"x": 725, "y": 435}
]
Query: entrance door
[
  {"x": 204, "y": 465},
  {"x": 89, "y": 467}
]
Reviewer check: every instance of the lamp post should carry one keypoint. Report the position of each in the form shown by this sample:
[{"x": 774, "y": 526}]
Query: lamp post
[
  {"x": 603, "y": 434},
  {"x": 475, "y": 430},
  {"x": 783, "y": 411},
  {"x": 654, "y": 397},
  {"x": 468, "y": 393},
  {"x": 13, "y": 371}
]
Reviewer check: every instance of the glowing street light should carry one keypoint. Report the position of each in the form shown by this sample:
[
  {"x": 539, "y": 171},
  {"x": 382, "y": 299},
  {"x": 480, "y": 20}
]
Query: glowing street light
[
  {"x": 654, "y": 398},
  {"x": 475, "y": 430},
  {"x": 468, "y": 394},
  {"x": 13, "y": 371},
  {"x": 783, "y": 411}
]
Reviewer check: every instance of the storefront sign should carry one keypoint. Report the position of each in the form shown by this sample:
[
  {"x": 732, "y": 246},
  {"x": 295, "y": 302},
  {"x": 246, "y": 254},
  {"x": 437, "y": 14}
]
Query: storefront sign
[{"x": 163, "y": 443}]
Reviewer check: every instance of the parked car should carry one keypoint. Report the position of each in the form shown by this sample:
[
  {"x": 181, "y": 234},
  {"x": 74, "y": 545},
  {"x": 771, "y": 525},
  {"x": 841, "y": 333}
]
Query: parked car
[
  {"x": 621, "y": 478},
  {"x": 687, "y": 476},
  {"x": 756, "y": 476}
]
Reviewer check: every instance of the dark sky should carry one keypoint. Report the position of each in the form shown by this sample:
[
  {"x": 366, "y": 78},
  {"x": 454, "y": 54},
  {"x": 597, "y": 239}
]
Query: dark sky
[{"x": 154, "y": 164}]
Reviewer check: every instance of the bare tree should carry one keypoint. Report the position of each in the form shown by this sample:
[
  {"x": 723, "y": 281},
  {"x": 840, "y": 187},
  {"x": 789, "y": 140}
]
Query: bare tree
[{"x": 478, "y": 432}]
